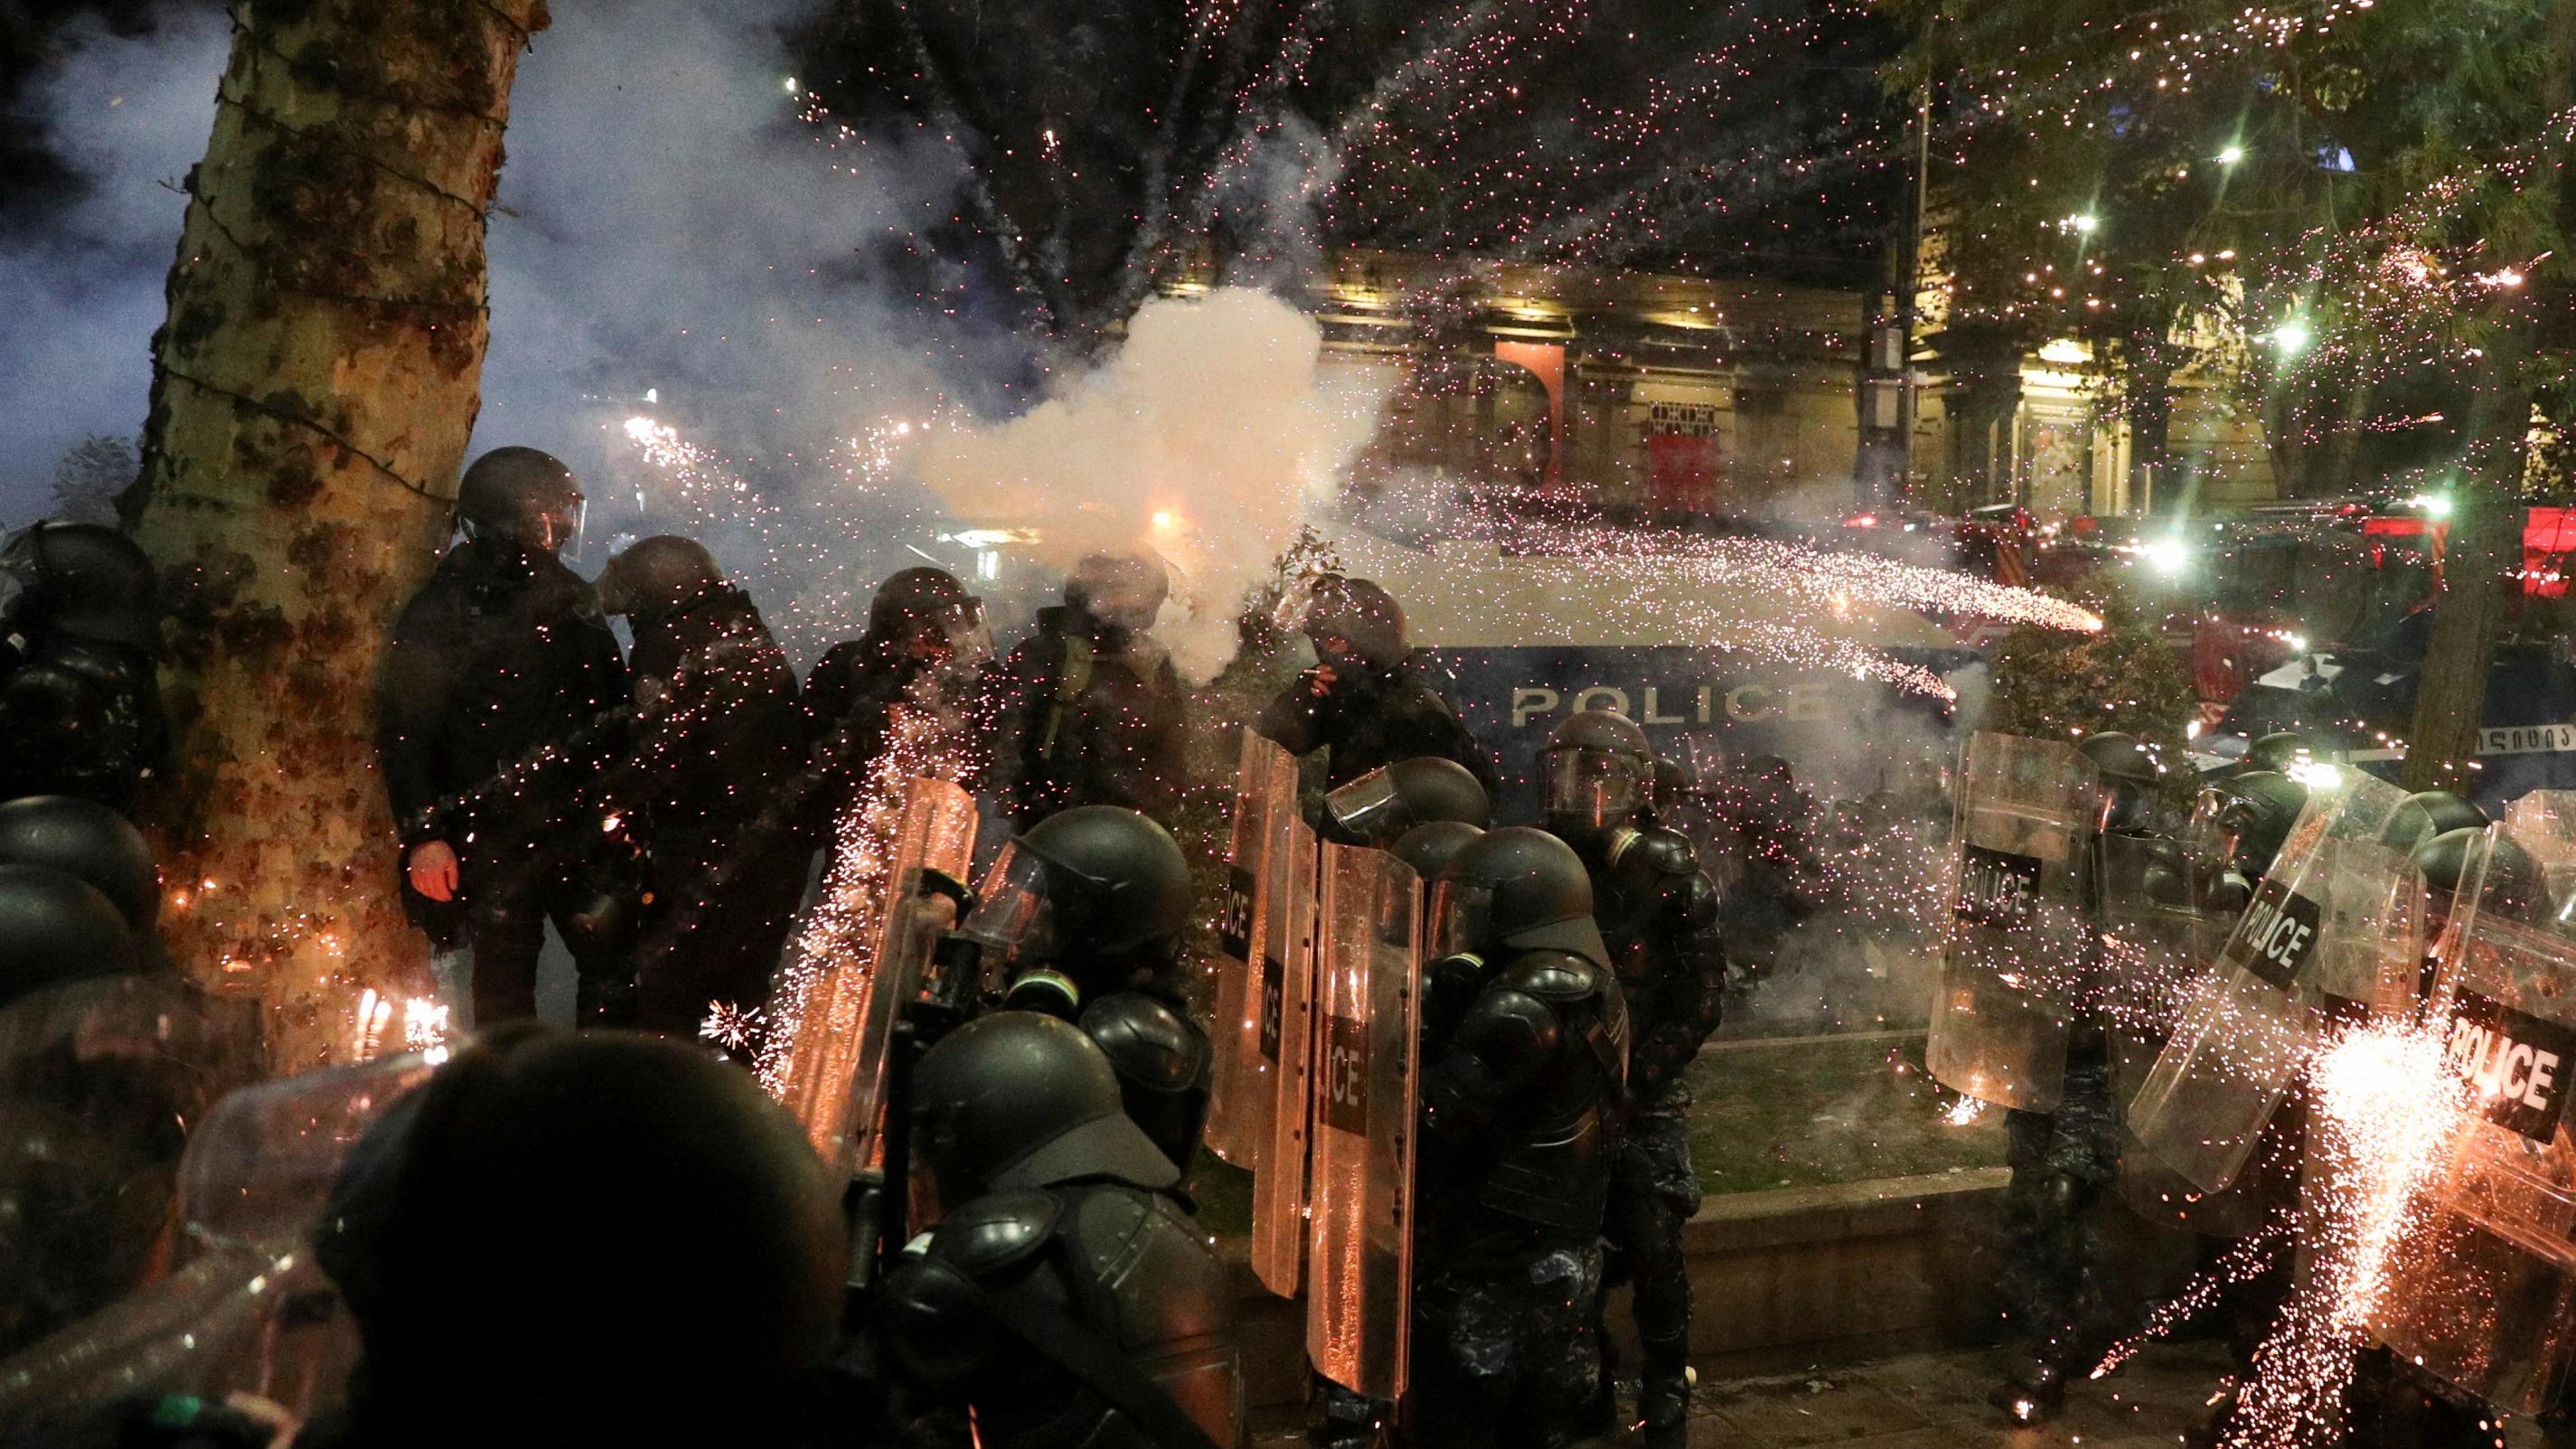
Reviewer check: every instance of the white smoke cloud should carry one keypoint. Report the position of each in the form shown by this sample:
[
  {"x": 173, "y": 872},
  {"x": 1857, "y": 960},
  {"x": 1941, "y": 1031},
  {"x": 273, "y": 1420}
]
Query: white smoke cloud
[
  {"x": 128, "y": 115},
  {"x": 1202, "y": 438}
]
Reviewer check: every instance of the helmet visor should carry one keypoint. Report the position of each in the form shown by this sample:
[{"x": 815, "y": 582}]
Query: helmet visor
[
  {"x": 1462, "y": 917},
  {"x": 1594, "y": 787},
  {"x": 1014, "y": 919},
  {"x": 1370, "y": 808}
]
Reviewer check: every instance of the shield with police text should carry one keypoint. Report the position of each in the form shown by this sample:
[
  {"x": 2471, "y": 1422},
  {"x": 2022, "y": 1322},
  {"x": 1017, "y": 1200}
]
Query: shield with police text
[
  {"x": 1358, "y": 1304},
  {"x": 1286, "y": 902},
  {"x": 863, "y": 954},
  {"x": 1250, "y": 962},
  {"x": 2485, "y": 1292},
  {"x": 2018, "y": 943},
  {"x": 2331, "y": 930},
  {"x": 244, "y": 1310}
]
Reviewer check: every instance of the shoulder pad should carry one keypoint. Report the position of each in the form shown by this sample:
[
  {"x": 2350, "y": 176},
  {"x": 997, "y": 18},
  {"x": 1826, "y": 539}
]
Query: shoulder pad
[
  {"x": 1549, "y": 976},
  {"x": 1146, "y": 1040},
  {"x": 995, "y": 1232},
  {"x": 1699, "y": 903},
  {"x": 1660, "y": 849}
]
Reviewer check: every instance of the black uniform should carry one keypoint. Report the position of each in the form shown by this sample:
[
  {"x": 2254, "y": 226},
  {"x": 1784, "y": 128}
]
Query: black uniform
[
  {"x": 496, "y": 659},
  {"x": 1069, "y": 1299},
  {"x": 1658, "y": 913},
  {"x": 1088, "y": 712},
  {"x": 1766, "y": 839},
  {"x": 1520, "y": 1130},
  {"x": 718, "y": 734},
  {"x": 1371, "y": 716}
]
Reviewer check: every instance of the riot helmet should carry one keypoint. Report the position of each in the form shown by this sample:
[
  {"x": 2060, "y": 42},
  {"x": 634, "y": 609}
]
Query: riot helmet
[
  {"x": 1353, "y": 623},
  {"x": 524, "y": 497},
  {"x": 1018, "y": 1099},
  {"x": 57, "y": 928},
  {"x": 656, "y": 576},
  {"x": 1122, "y": 590},
  {"x": 2239, "y": 823},
  {"x": 1091, "y": 884},
  {"x": 89, "y": 842},
  {"x": 1514, "y": 889},
  {"x": 1597, "y": 768},
  {"x": 556, "y": 1209},
  {"x": 2279, "y": 751},
  {"x": 1429, "y": 848},
  {"x": 924, "y": 613},
  {"x": 2130, "y": 772},
  {"x": 1392, "y": 799},
  {"x": 84, "y": 580},
  {"x": 2429, "y": 813}
]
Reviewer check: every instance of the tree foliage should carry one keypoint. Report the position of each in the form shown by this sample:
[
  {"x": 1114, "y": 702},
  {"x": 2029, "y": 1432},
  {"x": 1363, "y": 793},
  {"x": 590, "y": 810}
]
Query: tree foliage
[{"x": 2125, "y": 677}]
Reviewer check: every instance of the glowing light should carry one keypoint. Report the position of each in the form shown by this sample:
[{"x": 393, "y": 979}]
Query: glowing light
[
  {"x": 2315, "y": 775},
  {"x": 2083, "y": 223},
  {"x": 2167, "y": 556},
  {"x": 1963, "y": 1111},
  {"x": 2292, "y": 337},
  {"x": 2230, "y": 154},
  {"x": 735, "y": 1028}
]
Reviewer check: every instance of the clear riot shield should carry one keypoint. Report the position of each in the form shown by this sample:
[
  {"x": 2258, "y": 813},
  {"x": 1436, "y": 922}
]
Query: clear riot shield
[
  {"x": 2018, "y": 942},
  {"x": 2331, "y": 929},
  {"x": 1359, "y": 1308},
  {"x": 1249, "y": 960},
  {"x": 2544, "y": 823},
  {"x": 2157, "y": 939},
  {"x": 833, "y": 1076},
  {"x": 1287, "y": 904},
  {"x": 246, "y": 1310},
  {"x": 2485, "y": 1295}
]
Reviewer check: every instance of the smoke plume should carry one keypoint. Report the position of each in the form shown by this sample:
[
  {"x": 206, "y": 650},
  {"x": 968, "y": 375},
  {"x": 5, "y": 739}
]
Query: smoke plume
[{"x": 1201, "y": 439}]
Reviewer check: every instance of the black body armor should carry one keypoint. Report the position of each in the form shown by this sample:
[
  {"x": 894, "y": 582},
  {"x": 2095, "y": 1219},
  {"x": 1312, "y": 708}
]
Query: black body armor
[
  {"x": 1165, "y": 1065},
  {"x": 1017, "y": 1293},
  {"x": 82, "y": 718},
  {"x": 1658, "y": 915},
  {"x": 1522, "y": 1112}
]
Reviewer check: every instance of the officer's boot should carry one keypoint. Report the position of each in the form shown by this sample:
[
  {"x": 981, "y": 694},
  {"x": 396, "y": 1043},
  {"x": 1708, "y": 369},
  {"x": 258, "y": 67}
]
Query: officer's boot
[{"x": 1663, "y": 1392}]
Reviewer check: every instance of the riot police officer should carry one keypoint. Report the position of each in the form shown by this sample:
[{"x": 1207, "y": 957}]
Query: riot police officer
[
  {"x": 1065, "y": 1295},
  {"x": 593, "y": 1238},
  {"x": 2064, "y": 1160},
  {"x": 56, "y": 928},
  {"x": 925, "y": 640},
  {"x": 1081, "y": 918},
  {"x": 1088, "y": 711},
  {"x": 1366, "y": 700},
  {"x": 492, "y": 718},
  {"x": 1379, "y": 807},
  {"x": 1658, "y": 915},
  {"x": 1522, "y": 1097},
  {"x": 717, "y": 733},
  {"x": 80, "y": 704}
]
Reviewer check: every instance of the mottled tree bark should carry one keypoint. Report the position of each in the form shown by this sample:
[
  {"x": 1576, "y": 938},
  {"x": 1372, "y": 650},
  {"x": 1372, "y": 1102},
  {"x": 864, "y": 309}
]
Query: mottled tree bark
[{"x": 312, "y": 394}]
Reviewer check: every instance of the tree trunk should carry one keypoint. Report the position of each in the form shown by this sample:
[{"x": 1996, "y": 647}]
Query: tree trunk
[{"x": 312, "y": 393}]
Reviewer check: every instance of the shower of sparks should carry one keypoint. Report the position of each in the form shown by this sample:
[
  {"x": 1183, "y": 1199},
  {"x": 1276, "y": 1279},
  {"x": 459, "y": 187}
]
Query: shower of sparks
[
  {"x": 2387, "y": 1109},
  {"x": 823, "y": 987},
  {"x": 2245, "y": 1260},
  {"x": 735, "y": 1028},
  {"x": 423, "y": 1029},
  {"x": 1963, "y": 1112}
]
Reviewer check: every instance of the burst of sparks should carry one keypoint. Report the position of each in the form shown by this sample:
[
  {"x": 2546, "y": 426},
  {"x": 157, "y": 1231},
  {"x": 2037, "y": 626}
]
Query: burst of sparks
[
  {"x": 735, "y": 1028},
  {"x": 2387, "y": 1109}
]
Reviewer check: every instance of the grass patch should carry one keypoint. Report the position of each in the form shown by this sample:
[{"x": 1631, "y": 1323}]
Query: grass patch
[{"x": 1814, "y": 1111}]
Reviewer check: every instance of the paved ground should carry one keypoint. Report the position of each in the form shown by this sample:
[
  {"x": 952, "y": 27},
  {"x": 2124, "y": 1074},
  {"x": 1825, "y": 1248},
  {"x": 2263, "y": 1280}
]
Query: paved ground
[{"x": 1938, "y": 1401}]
